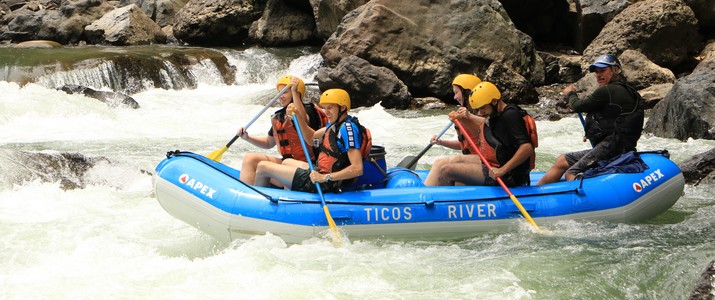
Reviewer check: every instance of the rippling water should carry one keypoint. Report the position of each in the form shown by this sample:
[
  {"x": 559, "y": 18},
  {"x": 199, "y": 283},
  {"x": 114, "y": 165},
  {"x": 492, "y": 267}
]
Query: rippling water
[{"x": 111, "y": 239}]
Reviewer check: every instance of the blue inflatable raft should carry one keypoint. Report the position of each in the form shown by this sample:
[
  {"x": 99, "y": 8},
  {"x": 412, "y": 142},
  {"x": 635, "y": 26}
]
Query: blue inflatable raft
[{"x": 209, "y": 196}]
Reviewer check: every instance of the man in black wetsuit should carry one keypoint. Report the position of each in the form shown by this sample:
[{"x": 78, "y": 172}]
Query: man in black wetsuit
[{"x": 613, "y": 125}]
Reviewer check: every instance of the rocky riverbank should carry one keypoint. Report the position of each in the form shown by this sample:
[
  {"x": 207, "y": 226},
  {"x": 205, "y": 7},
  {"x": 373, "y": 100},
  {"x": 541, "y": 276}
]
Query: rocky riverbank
[{"x": 401, "y": 53}]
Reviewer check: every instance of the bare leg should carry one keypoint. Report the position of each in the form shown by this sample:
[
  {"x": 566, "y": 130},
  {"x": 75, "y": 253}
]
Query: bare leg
[
  {"x": 250, "y": 163},
  {"x": 464, "y": 169},
  {"x": 295, "y": 163},
  {"x": 434, "y": 173},
  {"x": 569, "y": 176},
  {"x": 266, "y": 171},
  {"x": 556, "y": 171}
]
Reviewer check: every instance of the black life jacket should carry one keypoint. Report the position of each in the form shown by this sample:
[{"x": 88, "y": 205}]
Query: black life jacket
[{"x": 623, "y": 128}]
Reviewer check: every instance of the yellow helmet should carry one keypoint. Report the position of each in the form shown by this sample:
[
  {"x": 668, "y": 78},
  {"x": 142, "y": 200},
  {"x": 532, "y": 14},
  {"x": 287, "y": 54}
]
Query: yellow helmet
[
  {"x": 286, "y": 80},
  {"x": 335, "y": 96},
  {"x": 483, "y": 94},
  {"x": 466, "y": 81}
]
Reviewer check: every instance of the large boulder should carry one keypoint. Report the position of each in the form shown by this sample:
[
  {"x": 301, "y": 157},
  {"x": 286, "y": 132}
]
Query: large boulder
[
  {"x": 664, "y": 30},
  {"x": 688, "y": 110},
  {"x": 366, "y": 84},
  {"x": 642, "y": 72},
  {"x": 560, "y": 68},
  {"x": 595, "y": 14},
  {"x": 46, "y": 20},
  {"x": 514, "y": 88},
  {"x": 699, "y": 167},
  {"x": 284, "y": 23},
  {"x": 217, "y": 22},
  {"x": 125, "y": 26},
  {"x": 161, "y": 11},
  {"x": 328, "y": 13},
  {"x": 426, "y": 54}
]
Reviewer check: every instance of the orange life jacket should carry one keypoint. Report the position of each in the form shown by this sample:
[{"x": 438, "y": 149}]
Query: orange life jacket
[
  {"x": 288, "y": 141},
  {"x": 286, "y": 136},
  {"x": 533, "y": 136},
  {"x": 530, "y": 124},
  {"x": 477, "y": 135}
]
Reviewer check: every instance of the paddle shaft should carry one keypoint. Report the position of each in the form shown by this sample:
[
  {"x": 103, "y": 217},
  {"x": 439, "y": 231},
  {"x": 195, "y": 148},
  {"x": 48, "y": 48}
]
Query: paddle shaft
[
  {"x": 583, "y": 123},
  {"x": 414, "y": 160},
  {"x": 260, "y": 113},
  {"x": 499, "y": 180},
  {"x": 331, "y": 222}
]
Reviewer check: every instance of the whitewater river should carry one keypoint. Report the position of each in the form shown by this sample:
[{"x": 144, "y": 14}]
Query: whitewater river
[{"x": 111, "y": 238}]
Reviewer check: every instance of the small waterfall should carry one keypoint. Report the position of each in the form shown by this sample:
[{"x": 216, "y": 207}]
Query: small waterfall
[
  {"x": 137, "y": 69},
  {"x": 264, "y": 66}
]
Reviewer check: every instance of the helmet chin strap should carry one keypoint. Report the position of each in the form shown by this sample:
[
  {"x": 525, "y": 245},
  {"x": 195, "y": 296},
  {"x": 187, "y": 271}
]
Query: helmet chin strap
[{"x": 341, "y": 112}]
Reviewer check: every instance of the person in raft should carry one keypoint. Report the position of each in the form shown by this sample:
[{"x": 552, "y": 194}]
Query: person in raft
[
  {"x": 462, "y": 86},
  {"x": 344, "y": 143},
  {"x": 504, "y": 142},
  {"x": 613, "y": 124},
  {"x": 282, "y": 132}
]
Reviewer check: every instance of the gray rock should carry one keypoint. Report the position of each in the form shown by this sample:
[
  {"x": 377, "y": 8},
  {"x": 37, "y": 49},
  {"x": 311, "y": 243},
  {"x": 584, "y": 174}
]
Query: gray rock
[
  {"x": 698, "y": 167},
  {"x": 366, "y": 84},
  {"x": 427, "y": 45},
  {"x": 112, "y": 99},
  {"x": 217, "y": 22},
  {"x": 328, "y": 13},
  {"x": 514, "y": 88},
  {"x": 69, "y": 169},
  {"x": 595, "y": 14},
  {"x": 125, "y": 26},
  {"x": 705, "y": 287},
  {"x": 161, "y": 11},
  {"x": 688, "y": 110},
  {"x": 283, "y": 24},
  {"x": 651, "y": 27},
  {"x": 641, "y": 72},
  {"x": 63, "y": 22},
  {"x": 655, "y": 93}
]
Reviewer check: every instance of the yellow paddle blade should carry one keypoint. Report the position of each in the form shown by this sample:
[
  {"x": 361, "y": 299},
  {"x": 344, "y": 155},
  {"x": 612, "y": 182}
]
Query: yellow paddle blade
[
  {"x": 216, "y": 155},
  {"x": 337, "y": 239},
  {"x": 525, "y": 213}
]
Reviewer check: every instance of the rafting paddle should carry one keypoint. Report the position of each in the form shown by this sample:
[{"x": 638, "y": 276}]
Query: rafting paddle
[
  {"x": 410, "y": 161},
  {"x": 333, "y": 228},
  {"x": 216, "y": 155},
  {"x": 583, "y": 123},
  {"x": 499, "y": 180}
]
